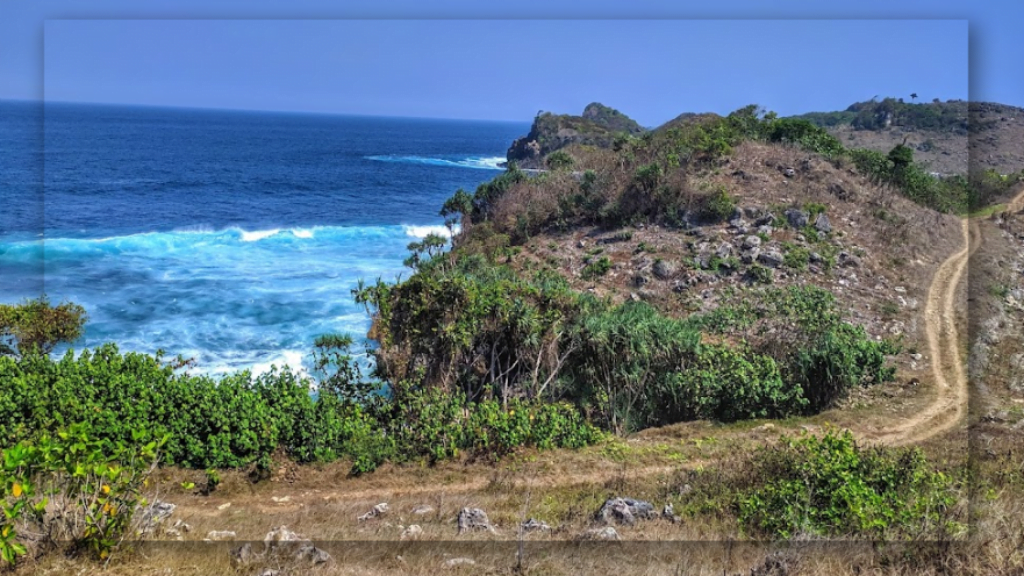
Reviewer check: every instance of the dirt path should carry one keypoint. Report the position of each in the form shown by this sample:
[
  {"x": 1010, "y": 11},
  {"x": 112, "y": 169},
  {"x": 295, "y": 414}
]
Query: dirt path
[{"x": 944, "y": 347}]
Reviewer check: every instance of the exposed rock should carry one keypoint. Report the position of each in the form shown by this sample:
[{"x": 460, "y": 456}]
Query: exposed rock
[
  {"x": 796, "y": 218},
  {"x": 243, "y": 555},
  {"x": 412, "y": 531},
  {"x": 766, "y": 219},
  {"x": 664, "y": 269},
  {"x": 533, "y": 524},
  {"x": 606, "y": 533},
  {"x": 848, "y": 260},
  {"x": 639, "y": 280},
  {"x": 771, "y": 258},
  {"x": 461, "y": 561},
  {"x": 751, "y": 242},
  {"x": 822, "y": 224},
  {"x": 423, "y": 509},
  {"x": 375, "y": 512},
  {"x": 313, "y": 555},
  {"x": 216, "y": 535},
  {"x": 816, "y": 258},
  {"x": 789, "y": 173},
  {"x": 624, "y": 511},
  {"x": 766, "y": 230},
  {"x": 474, "y": 519},
  {"x": 773, "y": 565},
  {"x": 280, "y": 536},
  {"x": 271, "y": 572},
  {"x": 154, "y": 514},
  {"x": 668, "y": 513},
  {"x": 724, "y": 250},
  {"x": 749, "y": 256}
]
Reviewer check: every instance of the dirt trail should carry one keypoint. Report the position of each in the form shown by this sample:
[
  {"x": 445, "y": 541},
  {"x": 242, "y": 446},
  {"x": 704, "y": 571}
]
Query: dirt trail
[{"x": 944, "y": 347}]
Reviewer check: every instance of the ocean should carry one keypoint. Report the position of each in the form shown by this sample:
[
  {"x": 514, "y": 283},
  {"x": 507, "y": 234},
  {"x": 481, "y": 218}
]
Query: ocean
[{"x": 234, "y": 238}]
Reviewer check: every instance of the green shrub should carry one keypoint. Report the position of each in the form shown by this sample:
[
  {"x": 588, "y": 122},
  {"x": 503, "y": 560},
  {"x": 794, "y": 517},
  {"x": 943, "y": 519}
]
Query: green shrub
[
  {"x": 73, "y": 488},
  {"x": 718, "y": 206},
  {"x": 831, "y": 486},
  {"x": 36, "y": 326},
  {"x": 596, "y": 268}
]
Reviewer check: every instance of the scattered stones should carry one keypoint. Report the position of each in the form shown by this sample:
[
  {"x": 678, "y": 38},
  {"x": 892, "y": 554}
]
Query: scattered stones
[
  {"x": 724, "y": 250},
  {"x": 640, "y": 280},
  {"x": 822, "y": 224},
  {"x": 751, "y": 242},
  {"x": 771, "y": 258},
  {"x": 665, "y": 269},
  {"x": 412, "y": 531},
  {"x": 423, "y": 509},
  {"x": 461, "y": 561},
  {"x": 606, "y": 533},
  {"x": 533, "y": 524},
  {"x": 624, "y": 511},
  {"x": 375, "y": 512},
  {"x": 750, "y": 256},
  {"x": 789, "y": 173},
  {"x": 281, "y": 500},
  {"x": 217, "y": 535},
  {"x": 271, "y": 572},
  {"x": 766, "y": 230},
  {"x": 224, "y": 506},
  {"x": 765, "y": 219},
  {"x": 796, "y": 218},
  {"x": 474, "y": 519}
]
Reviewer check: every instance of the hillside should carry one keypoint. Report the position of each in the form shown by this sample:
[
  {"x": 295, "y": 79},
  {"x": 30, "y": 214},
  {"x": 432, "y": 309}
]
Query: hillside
[{"x": 947, "y": 137}]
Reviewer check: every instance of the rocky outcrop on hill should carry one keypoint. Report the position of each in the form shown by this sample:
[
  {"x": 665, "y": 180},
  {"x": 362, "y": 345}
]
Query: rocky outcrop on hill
[{"x": 597, "y": 126}]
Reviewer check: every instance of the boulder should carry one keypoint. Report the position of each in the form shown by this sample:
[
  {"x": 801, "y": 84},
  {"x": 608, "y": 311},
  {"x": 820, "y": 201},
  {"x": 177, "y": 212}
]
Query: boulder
[
  {"x": 771, "y": 258},
  {"x": 375, "y": 512},
  {"x": 822, "y": 224},
  {"x": 624, "y": 511},
  {"x": 751, "y": 242},
  {"x": 640, "y": 280},
  {"x": 474, "y": 519},
  {"x": 848, "y": 260},
  {"x": 750, "y": 256},
  {"x": 412, "y": 531},
  {"x": 217, "y": 535},
  {"x": 423, "y": 509},
  {"x": 311, "y": 554},
  {"x": 664, "y": 269},
  {"x": 154, "y": 514},
  {"x": 796, "y": 218},
  {"x": 789, "y": 172}
]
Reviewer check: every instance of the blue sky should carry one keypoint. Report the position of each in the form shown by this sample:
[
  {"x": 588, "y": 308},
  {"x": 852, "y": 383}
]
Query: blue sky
[{"x": 508, "y": 69}]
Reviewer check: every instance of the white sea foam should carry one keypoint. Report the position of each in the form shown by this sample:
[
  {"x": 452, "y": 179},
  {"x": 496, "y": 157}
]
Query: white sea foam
[
  {"x": 478, "y": 162},
  {"x": 258, "y": 234},
  {"x": 423, "y": 231},
  {"x": 293, "y": 359},
  {"x": 302, "y": 233}
]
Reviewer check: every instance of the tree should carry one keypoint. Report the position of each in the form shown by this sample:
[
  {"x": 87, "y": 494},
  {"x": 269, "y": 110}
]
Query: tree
[
  {"x": 913, "y": 96},
  {"x": 34, "y": 326}
]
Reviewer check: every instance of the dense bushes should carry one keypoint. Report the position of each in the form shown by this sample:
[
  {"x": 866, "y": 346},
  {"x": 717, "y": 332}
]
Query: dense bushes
[
  {"x": 240, "y": 419},
  {"x": 489, "y": 332},
  {"x": 831, "y": 486}
]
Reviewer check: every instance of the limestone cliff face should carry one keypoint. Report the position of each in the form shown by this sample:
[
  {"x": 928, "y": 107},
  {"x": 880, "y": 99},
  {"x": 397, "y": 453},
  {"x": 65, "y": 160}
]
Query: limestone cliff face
[{"x": 597, "y": 126}]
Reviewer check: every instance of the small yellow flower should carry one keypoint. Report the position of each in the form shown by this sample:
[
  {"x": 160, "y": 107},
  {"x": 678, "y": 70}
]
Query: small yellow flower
[
  {"x": 511, "y": 412},
  {"x": 16, "y": 490},
  {"x": 107, "y": 508},
  {"x": 5, "y": 532},
  {"x": 106, "y": 489}
]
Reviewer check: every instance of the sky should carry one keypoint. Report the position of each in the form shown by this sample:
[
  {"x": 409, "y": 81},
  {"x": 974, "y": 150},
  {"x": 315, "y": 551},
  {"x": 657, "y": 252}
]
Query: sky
[{"x": 652, "y": 60}]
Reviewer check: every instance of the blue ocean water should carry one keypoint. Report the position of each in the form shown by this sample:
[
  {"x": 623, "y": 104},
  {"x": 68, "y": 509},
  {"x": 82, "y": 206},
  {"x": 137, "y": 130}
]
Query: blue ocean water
[{"x": 230, "y": 237}]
